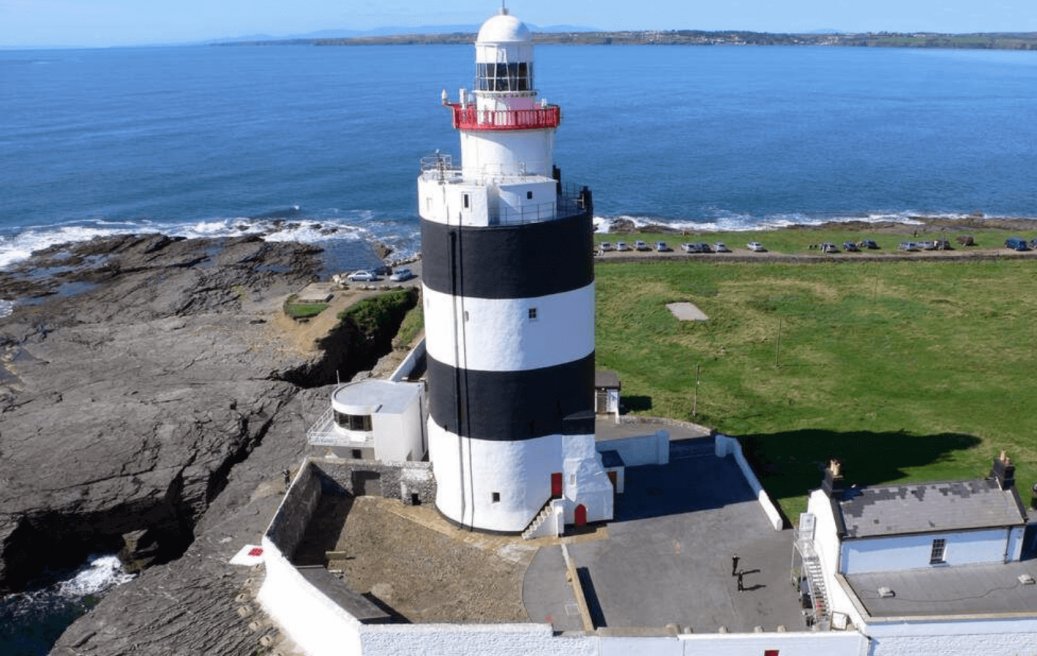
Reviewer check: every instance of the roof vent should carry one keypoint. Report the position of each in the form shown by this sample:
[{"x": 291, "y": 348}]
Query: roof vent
[
  {"x": 886, "y": 593},
  {"x": 1027, "y": 579}
]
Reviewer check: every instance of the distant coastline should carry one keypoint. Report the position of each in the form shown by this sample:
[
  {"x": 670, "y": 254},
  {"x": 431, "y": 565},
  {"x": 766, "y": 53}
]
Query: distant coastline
[{"x": 976, "y": 41}]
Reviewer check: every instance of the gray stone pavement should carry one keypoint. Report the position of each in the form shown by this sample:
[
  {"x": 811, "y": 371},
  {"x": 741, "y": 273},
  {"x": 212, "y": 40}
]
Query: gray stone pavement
[{"x": 667, "y": 556}]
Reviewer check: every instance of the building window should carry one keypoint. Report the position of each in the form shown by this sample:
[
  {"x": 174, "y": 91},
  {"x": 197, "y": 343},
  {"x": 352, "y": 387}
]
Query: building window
[
  {"x": 466, "y": 200},
  {"x": 358, "y": 454},
  {"x": 770, "y": 652},
  {"x": 353, "y": 422},
  {"x": 532, "y": 314},
  {"x": 529, "y": 195},
  {"x": 496, "y": 497},
  {"x": 939, "y": 551},
  {"x": 466, "y": 315}
]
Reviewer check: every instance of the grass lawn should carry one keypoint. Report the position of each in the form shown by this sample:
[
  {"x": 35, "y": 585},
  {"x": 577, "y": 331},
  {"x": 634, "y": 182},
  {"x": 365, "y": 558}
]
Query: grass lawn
[
  {"x": 298, "y": 310},
  {"x": 908, "y": 371},
  {"x": 796, "y": 241}
]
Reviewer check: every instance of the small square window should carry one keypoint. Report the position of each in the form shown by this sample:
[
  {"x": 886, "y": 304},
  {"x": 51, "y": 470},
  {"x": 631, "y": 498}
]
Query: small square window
[
  {"x": 529, "y": 195},
  {"x": 496, "y": 497},
  {"x": 532, "y": 314},
  {"x": 358, "y": 454},
  {"x": 939, "y": 551}
]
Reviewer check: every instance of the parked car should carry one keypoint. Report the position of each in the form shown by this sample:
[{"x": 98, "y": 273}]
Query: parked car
[
  {"x": 1017, "y": 244},
  {"x": 661, "y": 247},
  {"x": 604, "y": 247},
  {"x": 690, "y": 248},
  {"x": 1033, "y": 243},
  {"x": 756, "y": 247},
  {"x": 399, "y": 275},
  {"x": 362, "y": 276},
  {"x": 381, "y": 270},
  {"x": 908, "y": 246},
  {"x": 721, "y": 247},
  {"x": 829, "y": 247},
  {"x": 641, "y": 246},
  {"x": 867, "y": 243},
  {"x": 622, "y": 246},
  {"x": 850, "y": 247}
]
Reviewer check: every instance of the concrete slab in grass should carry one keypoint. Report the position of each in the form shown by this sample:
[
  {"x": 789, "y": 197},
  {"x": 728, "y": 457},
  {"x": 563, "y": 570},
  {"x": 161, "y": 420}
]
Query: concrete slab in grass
[{"x": 686, "y": 312}]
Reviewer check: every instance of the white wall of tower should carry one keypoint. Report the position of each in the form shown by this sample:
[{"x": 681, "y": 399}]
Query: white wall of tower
[
  {"x": 469, "y": 472},
  {"x": 487, "y": 154},
  {"x": 498, "y": 334}
]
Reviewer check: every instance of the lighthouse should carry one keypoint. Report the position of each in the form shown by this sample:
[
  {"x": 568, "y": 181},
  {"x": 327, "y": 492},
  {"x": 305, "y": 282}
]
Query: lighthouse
[{"x": 508, "y": 293}]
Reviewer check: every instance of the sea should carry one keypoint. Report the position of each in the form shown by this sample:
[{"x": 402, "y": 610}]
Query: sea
[{"x": 322, "y": 145}]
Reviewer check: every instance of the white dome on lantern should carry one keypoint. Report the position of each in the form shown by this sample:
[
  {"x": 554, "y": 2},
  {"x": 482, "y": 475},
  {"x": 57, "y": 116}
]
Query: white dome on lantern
[{"x": 504, "y": 28}]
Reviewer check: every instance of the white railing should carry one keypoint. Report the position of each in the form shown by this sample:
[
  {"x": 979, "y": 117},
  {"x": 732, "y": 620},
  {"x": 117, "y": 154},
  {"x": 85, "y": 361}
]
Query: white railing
[{"x": 323, "y": 433}]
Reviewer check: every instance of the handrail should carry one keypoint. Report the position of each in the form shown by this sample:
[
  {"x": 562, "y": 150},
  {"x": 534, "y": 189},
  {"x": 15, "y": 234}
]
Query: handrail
[{"x": 471, "y": 118}]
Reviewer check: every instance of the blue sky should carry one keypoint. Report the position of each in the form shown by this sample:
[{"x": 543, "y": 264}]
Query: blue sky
[{"x": 125, "y": 22}]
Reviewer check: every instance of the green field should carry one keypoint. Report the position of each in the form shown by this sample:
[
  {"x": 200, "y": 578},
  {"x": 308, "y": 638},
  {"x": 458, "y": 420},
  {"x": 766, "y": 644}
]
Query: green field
[
  {"x": 907, "y": 371},
  {"x": 796, "y": 241}
]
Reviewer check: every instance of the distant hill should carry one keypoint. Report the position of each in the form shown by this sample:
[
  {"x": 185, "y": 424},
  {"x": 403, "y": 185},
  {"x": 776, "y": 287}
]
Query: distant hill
[
  {"x": 572, "y": 35},
  {"x": 386, "y": 32}
]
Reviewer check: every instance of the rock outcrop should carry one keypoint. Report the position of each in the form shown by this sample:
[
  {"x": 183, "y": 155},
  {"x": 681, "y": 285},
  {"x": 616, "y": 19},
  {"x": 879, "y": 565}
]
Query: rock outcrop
[{"x": 124, "y": 406}]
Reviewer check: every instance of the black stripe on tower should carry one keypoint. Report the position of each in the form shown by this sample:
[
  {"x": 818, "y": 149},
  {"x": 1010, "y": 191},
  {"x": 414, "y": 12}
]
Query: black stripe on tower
[
  {"x": 514, "y": 261},
  {"x": 513, "y": 405}
]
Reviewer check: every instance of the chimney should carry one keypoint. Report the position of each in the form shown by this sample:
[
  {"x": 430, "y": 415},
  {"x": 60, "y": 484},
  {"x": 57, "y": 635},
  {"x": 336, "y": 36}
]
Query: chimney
[
  {"x": 833, "y": 481},
  {"x": 1003, "y": 471}
]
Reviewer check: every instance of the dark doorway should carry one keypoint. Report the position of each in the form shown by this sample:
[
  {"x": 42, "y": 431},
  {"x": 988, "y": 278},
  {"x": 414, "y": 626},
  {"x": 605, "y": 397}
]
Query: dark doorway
[{"x": 367, "y": 483}]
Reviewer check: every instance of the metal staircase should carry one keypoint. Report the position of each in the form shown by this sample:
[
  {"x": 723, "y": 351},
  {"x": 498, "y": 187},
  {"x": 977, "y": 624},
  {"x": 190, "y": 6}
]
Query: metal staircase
[
  {"x": 820, "y": 605},
  {"x": 538, "y": 521}
]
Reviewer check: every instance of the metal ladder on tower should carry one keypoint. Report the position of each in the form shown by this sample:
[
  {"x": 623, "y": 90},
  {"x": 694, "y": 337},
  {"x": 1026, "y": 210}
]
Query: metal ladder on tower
[{"x": 537, "y": 522}]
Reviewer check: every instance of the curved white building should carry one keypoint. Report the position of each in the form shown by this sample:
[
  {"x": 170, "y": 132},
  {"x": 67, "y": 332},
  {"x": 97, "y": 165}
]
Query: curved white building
[{"x": 509, "y": 306}]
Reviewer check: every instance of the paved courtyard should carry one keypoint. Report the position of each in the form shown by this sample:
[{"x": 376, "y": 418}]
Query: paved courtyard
[{"x": 667, "y": 556}]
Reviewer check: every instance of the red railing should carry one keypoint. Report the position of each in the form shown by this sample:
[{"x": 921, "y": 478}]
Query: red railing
[{"x": 470, "y": 118}]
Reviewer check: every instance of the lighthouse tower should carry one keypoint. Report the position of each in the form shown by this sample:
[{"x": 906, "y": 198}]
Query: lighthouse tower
[{"x": 509, "y": 306}]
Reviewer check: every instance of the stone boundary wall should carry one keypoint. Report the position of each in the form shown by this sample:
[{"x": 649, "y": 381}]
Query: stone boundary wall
[
  {"x": 838, "y": 258},
  {"x": 300, "y": 500},
  {"x": 650, "y": 449},
  {"x": 400, "y": 480},
  {"x": 729, "y": 446}
]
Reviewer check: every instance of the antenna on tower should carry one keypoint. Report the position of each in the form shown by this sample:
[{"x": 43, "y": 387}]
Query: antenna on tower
[{"x": 504, "y": 7}]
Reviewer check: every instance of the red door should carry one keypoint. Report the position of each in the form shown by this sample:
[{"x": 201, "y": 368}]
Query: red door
[
  {"x": 556, "y": 485},
  {"x": 581, "y": 515}
]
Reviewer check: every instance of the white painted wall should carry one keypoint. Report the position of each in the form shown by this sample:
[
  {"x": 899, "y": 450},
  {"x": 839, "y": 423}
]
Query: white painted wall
[
  {"x": 890, "y": 554},
  {"x": 397, "y": 437},
  {"x": 585, "y": 481},
  {"x": 310, "y": 619},
  {"x": 1007, "y": 637},
  {"x": 489, "y": 154},
  {"x": 838, "y": 643},
  {"x": 651, "y": 449},
  {"x": 499, "y": 335},
  {"x": 1015, "y": 543},
  {"x": 826, "y": 543},
  {"x": 516, "y": 207},
  {"x": 728, "y": 446},
  {"x": 472, "y": 639},
  {"x": 443, "y": 202}
]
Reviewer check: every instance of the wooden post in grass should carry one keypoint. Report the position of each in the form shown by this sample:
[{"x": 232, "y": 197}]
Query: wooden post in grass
[{"x": 695, "y": 402}]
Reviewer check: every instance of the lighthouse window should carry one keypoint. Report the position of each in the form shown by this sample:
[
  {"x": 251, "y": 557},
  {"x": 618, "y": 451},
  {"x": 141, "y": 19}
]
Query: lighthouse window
[
  {"x": 353, "y": 422},
  {"x": 504, "y": 77},
  {"x": 532, "y": 314},
  {"x": 529, "y": 195},
  {"x": 466, "y": 200},
  {"x": 496, "y": 497}
]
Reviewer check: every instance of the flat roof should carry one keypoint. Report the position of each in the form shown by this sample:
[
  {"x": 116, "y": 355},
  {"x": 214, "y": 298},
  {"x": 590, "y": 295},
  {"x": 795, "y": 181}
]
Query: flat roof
[
  {"x": 387, "y": 396},
  {"x": 928, "y": 507},
  {"x": 949, "y": 591},
  {"x": 666, "y": 557},
  {"x": 606, "y": 428}
]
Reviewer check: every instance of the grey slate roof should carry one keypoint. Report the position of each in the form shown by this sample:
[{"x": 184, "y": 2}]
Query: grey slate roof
[
  {"x": 949, "y": 591},
  {"x": 606, "y": 378},
  {"x": 928, "y": 507}
]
